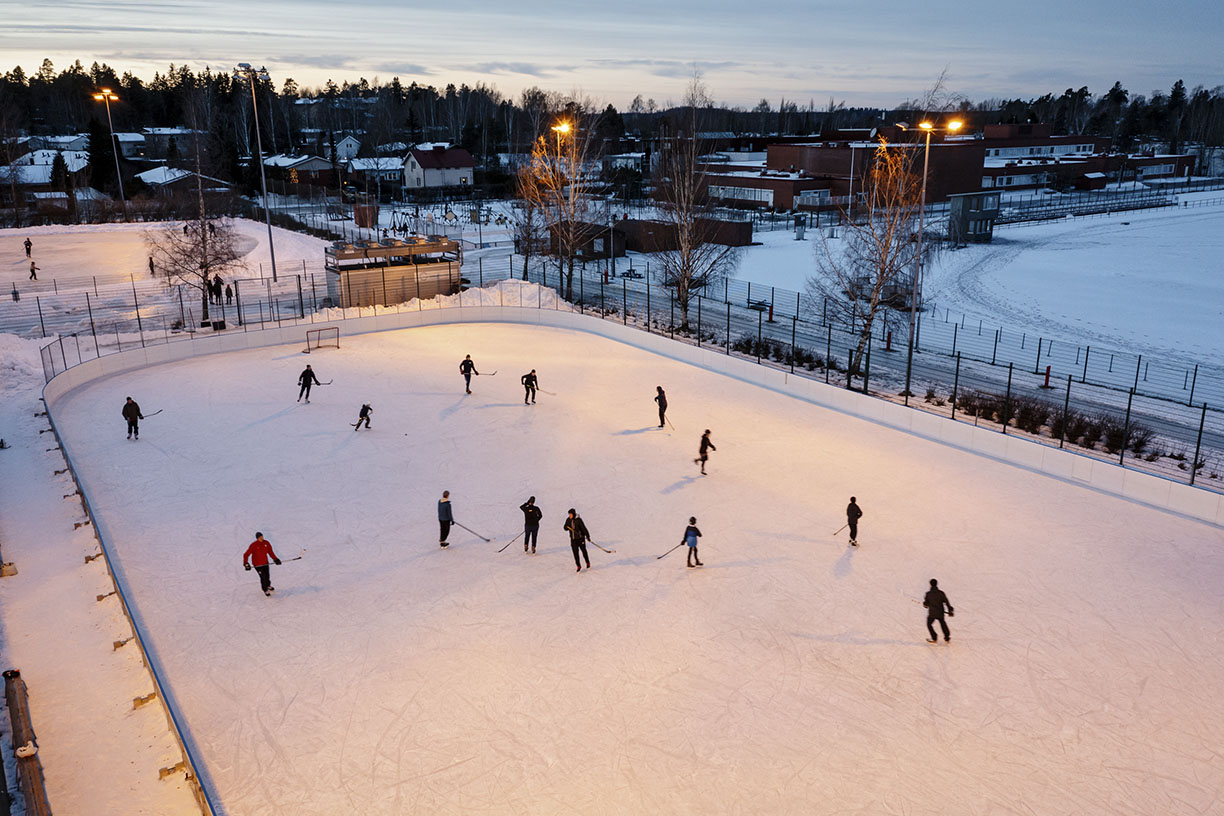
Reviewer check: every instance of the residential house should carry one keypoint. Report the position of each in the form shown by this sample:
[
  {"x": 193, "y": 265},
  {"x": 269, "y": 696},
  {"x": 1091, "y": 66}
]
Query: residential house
[
  {"x": 439, "y": 167},
  {"x": 382, "y": 175},
  {"x": 170, "y": 180},
  {"x": 299, "y": 169},
  {"x": 347, "y": 148}
]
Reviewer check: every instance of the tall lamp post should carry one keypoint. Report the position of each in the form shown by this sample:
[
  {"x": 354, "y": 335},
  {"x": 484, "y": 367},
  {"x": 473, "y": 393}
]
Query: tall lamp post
[
  {"x": 106, "y": 95},
  {"x": 245, "y": 71},
  {"x": 562, "y": 129},
  {"x": 952, "y": 127}
]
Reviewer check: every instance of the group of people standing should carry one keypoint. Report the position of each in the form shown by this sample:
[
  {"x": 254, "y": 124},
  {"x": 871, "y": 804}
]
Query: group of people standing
[{"x": 215, "y": 289}]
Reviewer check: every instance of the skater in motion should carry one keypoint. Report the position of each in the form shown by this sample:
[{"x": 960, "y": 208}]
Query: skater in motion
[
  {"x": 152, "y": 268},
  {"x": 661, "y": 398},
  {"x": 531, "y": 523},
  {"x": 853, "y": 514},
  {"x": 364, "y": 416},
  {"x": 131, "y": 412},
  {"x": 691, "y": 534},
  {"x": 935, "y": 601},
  {"x": 467, "y": 368},
  {"x": 703, "y": 454},
  {"x": 33, "y": 271},
  {"x": 445, "y": 519},
  {"x": 578, "y": 538},
  {"x": 530, "y": 384},
  {"x": 29, "y": 245},
  {"x": 258, "y": 554},
  {"x": 306, "y": 379}
]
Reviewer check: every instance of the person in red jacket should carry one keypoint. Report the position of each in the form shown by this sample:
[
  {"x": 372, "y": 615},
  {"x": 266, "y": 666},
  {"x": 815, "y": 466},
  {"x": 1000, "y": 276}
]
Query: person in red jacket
[{"x": 258, "y": 554}]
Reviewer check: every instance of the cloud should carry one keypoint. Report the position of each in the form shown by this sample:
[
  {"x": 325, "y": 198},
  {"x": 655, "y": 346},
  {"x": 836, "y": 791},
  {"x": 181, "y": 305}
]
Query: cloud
[
  {"x": 528, "y": 68},
  {"x": 331, "y": 62}
]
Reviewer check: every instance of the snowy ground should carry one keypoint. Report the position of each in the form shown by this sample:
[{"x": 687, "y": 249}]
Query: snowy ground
[{"x": 788, "y": 675}]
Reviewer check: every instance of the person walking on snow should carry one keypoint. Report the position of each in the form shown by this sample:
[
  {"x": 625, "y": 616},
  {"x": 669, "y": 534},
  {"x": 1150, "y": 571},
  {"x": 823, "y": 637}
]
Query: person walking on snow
[
  {"x": 131, "y": 412},
  {"x": 229, "y": 294},
  {"x": 661, "y": 398},
  {"x": 935, "y": 601},
  {"x": 530, "y": 384},
  {"x": 258, "y": 554},
  {"x": 306, "y": 379},
  {"x": 364, "y": 416},
  {"x": 152, "y": 268},
  {"x": 33, "y": 271},
  {"x": 853, "y": 514},
  {"x": 703, "y": 454},
  {"x": 531, "y": 523},
  {"x": 467, "y": 368},
  {"x": 445, "y": 519},
  {"x": 691, "y": 534},
  {"x": 28, "y": 246},
  {"x": 578, "y": 538}
]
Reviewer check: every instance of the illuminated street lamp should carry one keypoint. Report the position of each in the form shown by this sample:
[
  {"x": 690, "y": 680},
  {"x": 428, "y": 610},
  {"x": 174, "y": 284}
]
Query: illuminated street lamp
[
  {"x": 951, "y": 127},
  {"x": 245, "y": 71},
  {"x": 106, "y": 95}
]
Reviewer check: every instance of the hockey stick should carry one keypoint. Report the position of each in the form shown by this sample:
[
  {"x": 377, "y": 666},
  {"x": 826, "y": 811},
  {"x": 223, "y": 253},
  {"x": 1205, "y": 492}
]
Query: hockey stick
[
  {"x": 605, "y": 550},
  {"x": 839, "y": 529},
  {"x": 329, "y": 382},
  {"x": 549, "y": 393},
  {"x": 155, "y": 413},
  {"x": 673, "y": 427},
  {"x": 511, "y": 541},
  {"x": 672, "y": 550},
  {"x": 470, "y": 530},
  {"x": 295, "y": 558}
]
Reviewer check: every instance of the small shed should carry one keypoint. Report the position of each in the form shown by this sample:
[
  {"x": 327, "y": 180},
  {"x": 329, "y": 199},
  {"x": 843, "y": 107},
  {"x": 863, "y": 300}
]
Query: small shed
[{"x": 379, "y": 273}]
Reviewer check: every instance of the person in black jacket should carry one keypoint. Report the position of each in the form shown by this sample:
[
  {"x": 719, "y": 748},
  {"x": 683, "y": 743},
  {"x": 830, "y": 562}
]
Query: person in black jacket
[
  {"x": 531, "y": 523},
  {"x": 530, "y": 384},
  {"x": 691, "y": 534},
  {"x": 306, "y": 379},
  {"x": 467, "y": 368},
  {"x": 445, "y": 519},
  {"x": 853, "y": 514},
  {"x": 578, "y": 537},
  {"x": 935, "y": 601},
  {"x": 704, "y": 453},
  {"x": 131, "y": 412},
  {"x": 364, "y": 416},
  {"x": 661, "y": 398}
]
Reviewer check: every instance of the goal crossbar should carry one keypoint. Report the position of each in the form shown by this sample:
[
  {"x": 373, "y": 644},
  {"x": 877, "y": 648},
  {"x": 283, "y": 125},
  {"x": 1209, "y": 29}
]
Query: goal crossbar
[{"x": 326, "y": 337}]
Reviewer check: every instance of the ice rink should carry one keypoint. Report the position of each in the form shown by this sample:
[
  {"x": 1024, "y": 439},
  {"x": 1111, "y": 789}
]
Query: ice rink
[{"x": 788, "y": 675}]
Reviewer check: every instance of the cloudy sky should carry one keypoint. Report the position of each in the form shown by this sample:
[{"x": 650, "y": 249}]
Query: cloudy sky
[{"x": 870, "y": 53}]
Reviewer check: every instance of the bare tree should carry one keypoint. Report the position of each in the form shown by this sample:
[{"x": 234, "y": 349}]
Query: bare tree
[
  {"x": 195, "y": 252},
  {"x": 872, "y": 267},
  {"x": 527, "y": 218}
]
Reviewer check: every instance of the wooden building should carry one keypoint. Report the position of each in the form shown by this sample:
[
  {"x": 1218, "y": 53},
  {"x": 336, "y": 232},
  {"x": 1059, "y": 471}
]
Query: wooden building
[{"x": 369, "y": 273}]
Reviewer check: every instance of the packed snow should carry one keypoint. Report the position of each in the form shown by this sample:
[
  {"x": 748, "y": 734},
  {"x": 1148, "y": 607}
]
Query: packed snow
[{"x": 788, "y": 675}]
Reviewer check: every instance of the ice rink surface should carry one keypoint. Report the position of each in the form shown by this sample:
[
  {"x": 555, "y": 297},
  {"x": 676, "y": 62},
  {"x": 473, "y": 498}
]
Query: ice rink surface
[{"x": 788, "y": 675}]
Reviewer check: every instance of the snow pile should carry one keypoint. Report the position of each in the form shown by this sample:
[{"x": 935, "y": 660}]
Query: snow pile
[
  {"x": 502, "y": 293},
  {"x": 20, "y": 364}
]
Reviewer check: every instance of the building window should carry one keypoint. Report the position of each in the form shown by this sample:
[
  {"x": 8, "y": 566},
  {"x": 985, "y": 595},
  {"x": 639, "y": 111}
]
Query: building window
[{"x": 987, "y": 181}]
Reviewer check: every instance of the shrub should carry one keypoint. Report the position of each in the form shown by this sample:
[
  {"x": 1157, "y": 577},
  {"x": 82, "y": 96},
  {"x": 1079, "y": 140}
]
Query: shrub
[
  {"x": 1140, "y": 437},
  {"x": 1090, "y": 431},
  {"x": 930, "y": 395},
  {"x": 1031, "y": 413},
  {"x": 1115, "y": 435}
]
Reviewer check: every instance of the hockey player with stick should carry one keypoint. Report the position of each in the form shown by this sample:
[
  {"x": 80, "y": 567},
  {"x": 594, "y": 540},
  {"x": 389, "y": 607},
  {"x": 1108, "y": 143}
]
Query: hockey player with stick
[
  {"x": 691, "y": 534},
  {"x": 661, "y": 398},
  {"x": 853, "y": 514},
  {"x": 34, "y": 271},
  {"x": 530, "y": 384},
  {"x": 131, "y": 412},
  {"x": 28, "y": 246},
  {"x": 467, "y": 368},
  {"x": 257, "y": 555},
  {"x": 364, "y": 416},
  {"x": 306, "y": 379},
  {"x": 531, "y": 523},
  {"x": 704, "y": 453},
  {"x": 578, "y": 537},
  {"x": 445, "y": 519},
  {"x": 935, "y": 601}
]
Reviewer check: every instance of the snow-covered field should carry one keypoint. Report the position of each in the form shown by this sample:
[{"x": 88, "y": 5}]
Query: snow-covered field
[{"x": 788, "y": 675}]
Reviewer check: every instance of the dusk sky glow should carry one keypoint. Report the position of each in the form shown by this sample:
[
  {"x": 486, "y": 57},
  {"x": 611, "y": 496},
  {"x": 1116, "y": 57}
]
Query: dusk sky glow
[{"x": 871, "y": 54}]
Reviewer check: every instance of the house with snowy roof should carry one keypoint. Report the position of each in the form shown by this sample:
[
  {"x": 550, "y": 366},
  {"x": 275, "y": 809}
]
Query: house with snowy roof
[
  {"x": 32, "y": 172},
  {"x": 439, "y": 167},
  {"x": 383, "y": 173},
  {"x": 299, "y": 169},
  {"x": 168, "y": 180}
]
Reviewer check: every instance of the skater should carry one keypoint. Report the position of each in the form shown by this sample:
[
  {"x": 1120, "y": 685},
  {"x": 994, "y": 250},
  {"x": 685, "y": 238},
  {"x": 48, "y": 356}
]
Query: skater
[
  {"x": 306, "y": 379},
  {"x": 530, "y": 383},
  {"x": 16, "y": 294},
  {"x": 853, "y": 514},
  {"x": 364, "y": 416},
  {"x": 691, "y": 534},
  {"x": 445, "y": 519},
  {"x": 229, "y": 295},
  {"x": 33, "y": 271},
  {"x": 29, "y": 245},
  {"x": 578, "y": 538},
  {"x": 218, "y": 286},
  {"x": 152, "y": 268},
  {"x": 704, "y": 453},
  {"x": 531, "y": 523},
  {"x": 661, "y": 398},
  {"x": 935, "y": 601},
  {"x": 258, "y": 554},
  {"x": 131, "y": 412},
  {"x": 467, "y": 368}
]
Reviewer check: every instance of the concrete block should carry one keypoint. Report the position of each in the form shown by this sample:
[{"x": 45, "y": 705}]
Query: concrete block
[
  {"x": 1145, "y": 487},
  {"x": 1108, "y": 477},
  {"x": 1025, "y": 451},
  {"x": 1058, "y": 463}
]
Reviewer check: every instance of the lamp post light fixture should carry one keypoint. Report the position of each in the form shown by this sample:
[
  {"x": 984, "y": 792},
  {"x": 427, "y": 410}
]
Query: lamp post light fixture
[
  {"x": 106, "y": 95},
  {"x": 251, "y": 75},
  {"x": 951, "y": 127}
]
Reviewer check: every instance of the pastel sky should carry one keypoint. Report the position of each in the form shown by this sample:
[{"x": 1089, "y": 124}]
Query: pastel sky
[{"x": 869, "y": 53}]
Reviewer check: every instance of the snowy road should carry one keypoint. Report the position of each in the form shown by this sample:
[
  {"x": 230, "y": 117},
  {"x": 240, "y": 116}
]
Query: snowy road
[{"x": 788, "y": 675}]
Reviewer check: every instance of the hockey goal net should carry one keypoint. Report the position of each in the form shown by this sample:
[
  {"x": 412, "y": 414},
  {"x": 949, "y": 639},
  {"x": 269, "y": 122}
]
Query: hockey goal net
[{"x": 328, "y": 337}]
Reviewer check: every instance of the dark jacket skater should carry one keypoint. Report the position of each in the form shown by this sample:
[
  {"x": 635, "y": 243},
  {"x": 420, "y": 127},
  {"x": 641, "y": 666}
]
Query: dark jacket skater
[
  {"x": 306, "y": 379},
  {"x": 661, "y": 398},
  {"x": 578, "y": 538},
  {"x": 530, "y": 384},
  {"x": 364, "y": 416},
  {"x": 935, "y": 601},
  {"x": 28, "y": 246},
  {"x": 853, "y": 514},
  {"x": 131, "y": 412},
  {"x": 467, "y": 368},
  {"x": 691, "y": 534},
  {"x": 703, "y": 454},
  {"x": 445, "y": 518},
  {"x": 531, "y": 523}
]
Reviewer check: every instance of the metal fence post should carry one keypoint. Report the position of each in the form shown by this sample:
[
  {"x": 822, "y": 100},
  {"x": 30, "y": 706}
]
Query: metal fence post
[
  {"x": 1037, "y": 367},
  {"x": 954, "y": 332},
  {"x": 828, "y": 351},
  {"x": 1126, "y": 429},
  {"x": 1066, "y": 412},
  {"x": 1189, "y": 402},
  {"x": 760, "y": 321},
  {"x": 994, "y": 354},
  {"x": 1084, "y": 376},
  {"x": 41, "y": 325},
  {"x": 728, "y": 304},
  {"x": 302, "y": 300},
  {"x": 625, "y": 301},
  {"x": 955, "y": 386},
  {"x": 1007, "y": 399},
  {"x": 867, "y": 367},
  {"x": 647, "y": 298},
  {"x": 1138, "y": 366},
  {"x": 794, "y": 327},
  {"x": 849, "y": 369},
  {"x": 699, "y": 321},
  {"x": 92, "y": 328},
  {"x": 1194, "y": 463}
]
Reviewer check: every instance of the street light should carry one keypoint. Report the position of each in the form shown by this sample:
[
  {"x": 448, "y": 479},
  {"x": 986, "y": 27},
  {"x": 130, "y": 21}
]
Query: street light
[
  {"x": 951, "y": 127},
  {"x": 245, "y": 71},
  {"x": 106, "y": 95}
]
